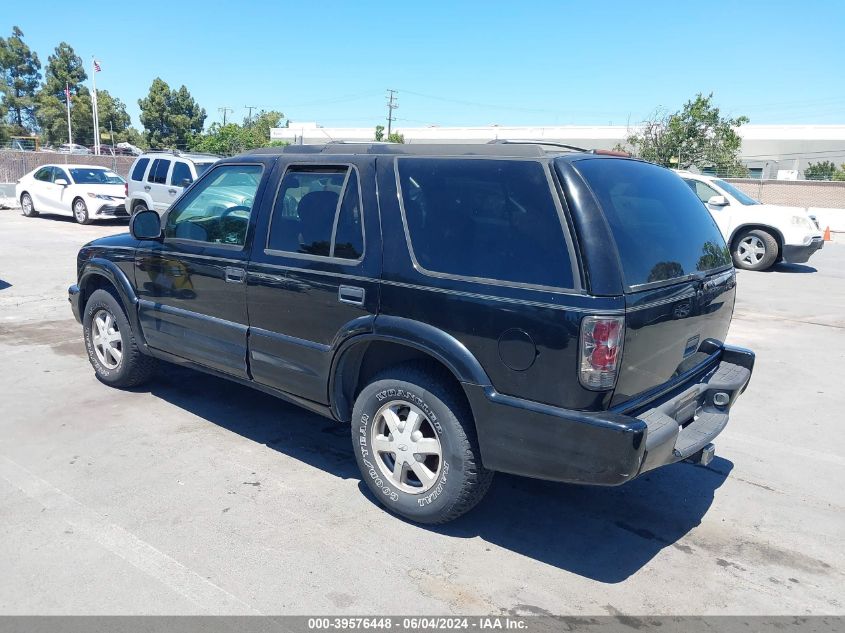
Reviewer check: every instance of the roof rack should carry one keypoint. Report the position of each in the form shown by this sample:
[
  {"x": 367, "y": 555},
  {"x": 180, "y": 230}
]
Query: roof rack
[{"x": 505, "y": 141}]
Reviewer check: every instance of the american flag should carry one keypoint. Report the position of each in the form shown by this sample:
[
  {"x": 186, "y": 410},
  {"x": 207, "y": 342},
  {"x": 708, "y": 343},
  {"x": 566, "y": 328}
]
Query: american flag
[
  {"x": 67, "y": 93},
  {"x": 97, "y": 66}
]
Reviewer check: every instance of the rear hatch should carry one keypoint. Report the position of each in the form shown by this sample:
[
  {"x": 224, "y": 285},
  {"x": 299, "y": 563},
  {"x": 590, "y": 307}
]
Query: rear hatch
[{"x": 677, "y": 272}]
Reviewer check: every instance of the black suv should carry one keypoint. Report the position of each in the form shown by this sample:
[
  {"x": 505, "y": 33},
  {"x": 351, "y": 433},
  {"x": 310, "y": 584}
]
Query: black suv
[{"x": 469, "y": 309}]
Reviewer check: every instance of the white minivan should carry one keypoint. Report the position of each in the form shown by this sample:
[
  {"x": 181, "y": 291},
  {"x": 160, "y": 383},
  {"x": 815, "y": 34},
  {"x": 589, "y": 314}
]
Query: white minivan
[
  {"x": 759, "y": 235},
  {"x": 158, "y": 178}
]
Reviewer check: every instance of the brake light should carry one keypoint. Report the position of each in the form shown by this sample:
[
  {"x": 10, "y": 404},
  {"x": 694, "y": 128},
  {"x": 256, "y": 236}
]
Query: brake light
[
  {"x": 601, "y": 351},
  {"x": 612, "y": 152},
  {"x": 126, "y": 190}
]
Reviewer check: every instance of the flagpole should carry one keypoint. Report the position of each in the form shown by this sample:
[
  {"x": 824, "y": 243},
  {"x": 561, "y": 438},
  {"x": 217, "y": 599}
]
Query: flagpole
[
  {"x": 94, "y": 107},
  {"x": 67, "y": 99}
]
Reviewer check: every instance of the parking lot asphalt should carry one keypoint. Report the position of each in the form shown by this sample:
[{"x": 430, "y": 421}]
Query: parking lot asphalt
[{"x": 193, "y": 495}]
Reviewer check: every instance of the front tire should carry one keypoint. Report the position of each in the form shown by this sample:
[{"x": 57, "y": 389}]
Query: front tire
[
  {"x": 27, "y": 208},
  {"x": 755, "y": 249},
  {"x": 138, "y": 208},
  {"x": 110, "y": 342},
  {"x": 415, "y": 444},
  {"x": 80, "y": 211}
]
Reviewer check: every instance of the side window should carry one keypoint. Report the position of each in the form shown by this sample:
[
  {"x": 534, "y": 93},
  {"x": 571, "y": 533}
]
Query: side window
[
  {"x": 217, "y": 210},
  {"x": 181, "y": 173},
  {"x": 158, "y": 172},
  {"x": 58, "y": 172},
  {"x": 45, "y": 174},
  {"x": 140, "y": 168},
  {"x": 490, "y": 219},
  {"x": 318, "y": 212},
  {"x": 703, "y": 191}
]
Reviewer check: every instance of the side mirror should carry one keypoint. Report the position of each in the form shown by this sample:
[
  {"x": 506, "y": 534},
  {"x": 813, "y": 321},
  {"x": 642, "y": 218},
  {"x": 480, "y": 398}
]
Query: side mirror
[
  {"x": 185, "y": 182},
  {"x": 145, "y": 225},
  {"x": 718, "y": 201},
  {"x": 61, "y": 181}
]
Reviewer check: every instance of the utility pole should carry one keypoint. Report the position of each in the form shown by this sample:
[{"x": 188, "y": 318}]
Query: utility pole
[
  {"x": 250, "y": 108},
  {"x": 391, "y": 106},
  {"x": 224, "y": 110}
]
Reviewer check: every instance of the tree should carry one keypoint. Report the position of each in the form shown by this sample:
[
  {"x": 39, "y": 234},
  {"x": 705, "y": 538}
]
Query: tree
[
  {"x": 395, "y": 137},
  {"x": 170, "y": 117},
  {"x": 64, "y": 68},
  {"x": 233, "y": 138},
  {"x": 379, "y": 137},
  {"x": 697, "y": 135},
  {"x": 21, "y": 71},
  {"x": 824, "y": 170}
]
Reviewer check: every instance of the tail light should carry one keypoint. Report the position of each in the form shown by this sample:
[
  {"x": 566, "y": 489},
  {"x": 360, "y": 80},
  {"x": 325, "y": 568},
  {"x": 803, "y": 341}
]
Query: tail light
[
  {"x": 601, "y": 351},
  {"x": 126, "y": 190}
]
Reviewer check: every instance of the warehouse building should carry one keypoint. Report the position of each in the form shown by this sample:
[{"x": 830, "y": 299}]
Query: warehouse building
[{"x": 769, "y": 151}]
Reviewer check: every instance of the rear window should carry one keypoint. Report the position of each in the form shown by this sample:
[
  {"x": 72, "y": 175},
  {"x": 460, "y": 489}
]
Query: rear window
[
  {"x": 662, "y": 230},
  {"x": 481, "y": 218},
  {"x": 140, "y": 168}
]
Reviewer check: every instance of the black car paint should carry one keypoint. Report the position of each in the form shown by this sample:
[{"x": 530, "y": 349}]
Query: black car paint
[{"x": 262, "y": 332}]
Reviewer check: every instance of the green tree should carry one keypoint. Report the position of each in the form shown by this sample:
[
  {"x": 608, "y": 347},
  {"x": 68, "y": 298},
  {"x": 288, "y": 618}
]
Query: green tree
[
  {"x": 697, "y": 135},
  {"x": 233, "y": 138},
  {"x": 171, "y": 118},
  {"x": 824, "y": 170},
  {"x": 21, "y": 71},
  {"x": 379, "y": 137},
  {"x": 395, "y": 137},
  {"x": 840, "y": 173},
  {"x": 64, "y": 68}
]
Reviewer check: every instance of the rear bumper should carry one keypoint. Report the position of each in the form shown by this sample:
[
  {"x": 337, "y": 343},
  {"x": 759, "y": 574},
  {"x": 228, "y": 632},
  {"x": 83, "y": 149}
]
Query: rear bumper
[
  {"x": 606, "y": 448},
  {"x": 798, "y": 254}
]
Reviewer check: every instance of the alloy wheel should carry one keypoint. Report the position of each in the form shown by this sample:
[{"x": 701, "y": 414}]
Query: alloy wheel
[
  {"x": 408, "y": 451},
  {"x": 751, "y": 249},
  {"x": 108, "y": 344}
]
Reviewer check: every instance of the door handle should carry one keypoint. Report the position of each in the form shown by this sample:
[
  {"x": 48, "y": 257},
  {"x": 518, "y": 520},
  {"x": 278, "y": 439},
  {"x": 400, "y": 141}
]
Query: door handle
[
  {"x": 146, "y": 187},
  {"x": 351, "y": 295},
  {"x": 235, "y": 275},
  {"x": 172, "y": 192}
]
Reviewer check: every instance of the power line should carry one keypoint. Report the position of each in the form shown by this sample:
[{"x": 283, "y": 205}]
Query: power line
[
  {"x": 391, "y": 106},
  {"x": 250, "y": 109},
  {"x": 224, "y": 110}
]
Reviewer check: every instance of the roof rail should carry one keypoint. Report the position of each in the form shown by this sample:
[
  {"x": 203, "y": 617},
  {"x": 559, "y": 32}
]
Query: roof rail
[
  {"x": 175, "y": 152},
  {"x": 504, "y": 141}
]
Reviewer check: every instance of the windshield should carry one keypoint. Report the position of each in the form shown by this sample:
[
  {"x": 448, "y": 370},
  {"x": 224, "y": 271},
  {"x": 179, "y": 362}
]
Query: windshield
[
  {"x": 741, "y": 197},
  {"x": 202, "y": 168},
  {"x": 661, "y": 229},
  {"x": 86, "y": 176}
]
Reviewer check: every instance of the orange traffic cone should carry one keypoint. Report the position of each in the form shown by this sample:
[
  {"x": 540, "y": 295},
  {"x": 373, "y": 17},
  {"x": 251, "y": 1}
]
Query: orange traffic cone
[{"x": 827, "y": 234}]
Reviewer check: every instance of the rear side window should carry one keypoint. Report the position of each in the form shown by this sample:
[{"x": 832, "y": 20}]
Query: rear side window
[
  {"x": 661, "y": 229},
  {"x": 140, "y": 168},
  {"x": 181, "y": 173},
  {"x": 491, "y": 219},
  {"x": 158, "y": 172},
  {"x": 318, "y": 212}
]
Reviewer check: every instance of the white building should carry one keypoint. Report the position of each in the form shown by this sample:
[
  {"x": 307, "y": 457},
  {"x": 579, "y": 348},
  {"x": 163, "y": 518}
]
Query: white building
[{"x": 766, "y": 149}]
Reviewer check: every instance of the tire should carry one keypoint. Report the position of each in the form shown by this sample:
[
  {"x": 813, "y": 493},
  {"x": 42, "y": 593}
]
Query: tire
[
  {"x": 80, "y": 211},
  {"x": 755, "y": 249},
  {"x": 120, "y": 362},
  {"x": 27, "y": 208},
  {"x": 139, "y": 206},
  {"x": 453, "y": 481}
]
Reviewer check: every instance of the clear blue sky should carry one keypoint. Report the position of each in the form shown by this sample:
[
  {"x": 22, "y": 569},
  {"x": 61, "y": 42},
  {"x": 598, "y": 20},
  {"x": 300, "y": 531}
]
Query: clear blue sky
[{"x": 461, "y": 63}]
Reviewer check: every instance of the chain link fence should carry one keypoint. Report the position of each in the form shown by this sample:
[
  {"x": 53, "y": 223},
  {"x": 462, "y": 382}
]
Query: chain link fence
[
  {"x": 795, "y": 193},
  {"x": 15, "y": 164}
]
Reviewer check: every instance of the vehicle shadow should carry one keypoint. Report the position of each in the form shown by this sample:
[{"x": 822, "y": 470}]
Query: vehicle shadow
[
  {"x": 56, "y": 217},
  {"x": 784, "y": 267},
  {"x": 605, "y": 534}
]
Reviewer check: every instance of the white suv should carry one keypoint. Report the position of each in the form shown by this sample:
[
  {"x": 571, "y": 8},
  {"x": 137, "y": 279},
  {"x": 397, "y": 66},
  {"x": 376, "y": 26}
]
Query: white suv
[
  {"x": 758, "y": 234},
  {"x": 157, "y": 178}
]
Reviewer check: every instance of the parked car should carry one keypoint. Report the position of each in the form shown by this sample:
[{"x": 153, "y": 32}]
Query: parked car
[
  {"x": 468, "y": 309},
  {"x": 158, "y": 178},
  {"x": 759, "y": 235},
  {"x": 87, "y": 192},
  {"x": 72, "y": 148}
]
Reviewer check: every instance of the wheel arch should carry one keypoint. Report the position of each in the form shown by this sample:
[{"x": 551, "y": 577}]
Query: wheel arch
[
  {"x": 750, "y": 226},
  {"x": 100, "y": 273},
  {"x": 397, "y": 342}
]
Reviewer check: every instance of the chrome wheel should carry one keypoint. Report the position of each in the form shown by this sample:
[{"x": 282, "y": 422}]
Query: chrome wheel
[
  {"x": 108, "y": 344},
  {"x": 751, "y": 249},
  {"x": 408, "y": 451}
]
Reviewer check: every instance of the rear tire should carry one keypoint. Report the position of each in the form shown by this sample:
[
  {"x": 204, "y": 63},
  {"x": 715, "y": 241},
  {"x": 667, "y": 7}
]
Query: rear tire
[
  {"x": 755, "y": 249},
  {"x": 110, "y": 342},
  {"x": 27, "y": 208},
  {"x": 414, "y": 440},
  {"x": 80, "y": 211}
]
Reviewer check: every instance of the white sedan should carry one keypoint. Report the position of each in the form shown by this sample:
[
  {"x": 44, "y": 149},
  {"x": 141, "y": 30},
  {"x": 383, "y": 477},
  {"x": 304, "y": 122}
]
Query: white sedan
[{"x": 87, "y": 192}]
